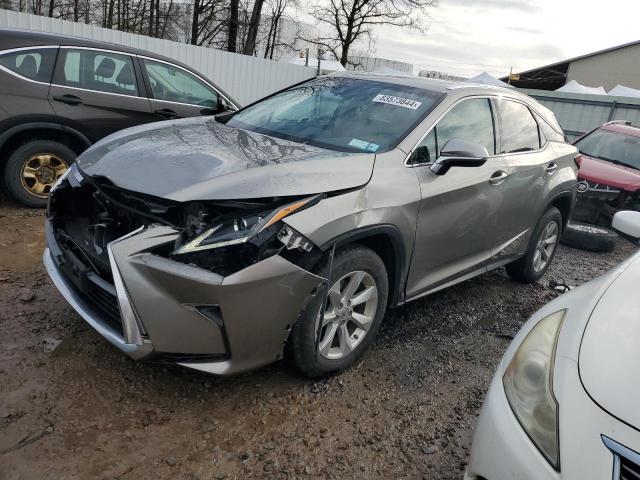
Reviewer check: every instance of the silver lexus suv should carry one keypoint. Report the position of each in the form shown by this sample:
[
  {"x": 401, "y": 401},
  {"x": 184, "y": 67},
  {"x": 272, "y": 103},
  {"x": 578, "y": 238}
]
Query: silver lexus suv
[{"x": 289, "y": 227}]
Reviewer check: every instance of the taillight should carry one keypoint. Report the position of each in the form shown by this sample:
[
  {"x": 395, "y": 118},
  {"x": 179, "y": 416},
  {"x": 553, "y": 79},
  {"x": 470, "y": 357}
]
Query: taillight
[{"x": 578, "y": 160}]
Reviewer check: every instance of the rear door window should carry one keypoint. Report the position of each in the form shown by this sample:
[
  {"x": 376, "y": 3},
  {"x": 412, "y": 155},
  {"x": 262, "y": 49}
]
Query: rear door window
[
  {"x": 97, "y": 70},
  {"x": 519, "y": 128},
  {"x": 34, "y": 63}
]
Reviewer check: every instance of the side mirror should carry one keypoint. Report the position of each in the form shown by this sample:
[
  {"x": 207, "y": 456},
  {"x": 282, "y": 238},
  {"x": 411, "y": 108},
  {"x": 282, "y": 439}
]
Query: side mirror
[
  {"x": 459, "y": 153},
  {"x": 627, "y": 224},
  {"x": 223, "y": 106}
]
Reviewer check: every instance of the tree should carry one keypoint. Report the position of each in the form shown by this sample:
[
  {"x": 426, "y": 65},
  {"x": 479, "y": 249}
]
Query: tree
[
  {"x": 254, "y": 25},
  {"x": 352, "y": 20},
  {"x": 232, "y": 29}
]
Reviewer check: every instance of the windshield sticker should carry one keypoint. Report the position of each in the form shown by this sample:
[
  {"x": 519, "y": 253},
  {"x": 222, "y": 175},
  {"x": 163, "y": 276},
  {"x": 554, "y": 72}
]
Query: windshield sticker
[
  {"x": 373, "y": 147},
  {"x": 397, "y": 101},
  {"x": 361, "y": 144}
]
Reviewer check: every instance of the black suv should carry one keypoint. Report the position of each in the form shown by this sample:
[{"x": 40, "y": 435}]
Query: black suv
[{"x": 59, "y": 95}]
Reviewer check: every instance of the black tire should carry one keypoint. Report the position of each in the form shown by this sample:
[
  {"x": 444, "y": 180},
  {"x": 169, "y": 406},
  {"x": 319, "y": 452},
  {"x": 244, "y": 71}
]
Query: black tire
[
  {"x": 13, "y": 174},
  {"x": 302, "y": 349},
  {"x": 523, "y": 269},
  {"x": 589, "y": 237}
]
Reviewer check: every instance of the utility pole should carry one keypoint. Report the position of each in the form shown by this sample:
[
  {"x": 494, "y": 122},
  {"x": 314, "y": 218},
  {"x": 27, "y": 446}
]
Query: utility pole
[
  {"x": 320, "y": 53},
  {"x": 510, "y": 72}
]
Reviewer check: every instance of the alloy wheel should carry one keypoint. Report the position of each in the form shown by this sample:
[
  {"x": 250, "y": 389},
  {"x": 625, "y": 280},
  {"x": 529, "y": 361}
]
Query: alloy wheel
[
  {"x": 546, "y": 246},
  {"x": 40, "y": 172},
  {"x": 350, "y": 309}
]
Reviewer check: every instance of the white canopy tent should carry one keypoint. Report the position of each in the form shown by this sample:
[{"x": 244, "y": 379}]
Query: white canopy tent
[
  {"x": 575, "y": 87},
  {"x": 622, "y": 91},
  {"x": 487, "y": 79}
]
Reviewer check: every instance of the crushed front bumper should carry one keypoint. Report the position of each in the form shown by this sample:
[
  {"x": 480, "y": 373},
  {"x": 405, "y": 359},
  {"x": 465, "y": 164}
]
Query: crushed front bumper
[{"x": 176, "y": 312}]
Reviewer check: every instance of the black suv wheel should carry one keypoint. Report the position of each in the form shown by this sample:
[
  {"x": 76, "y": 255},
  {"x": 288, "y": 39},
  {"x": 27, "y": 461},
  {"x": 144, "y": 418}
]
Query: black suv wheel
[
  {"x": 542, "y": 249},
  {"x": 33, "y": 168},
  {"x": 330, "y": 336}
]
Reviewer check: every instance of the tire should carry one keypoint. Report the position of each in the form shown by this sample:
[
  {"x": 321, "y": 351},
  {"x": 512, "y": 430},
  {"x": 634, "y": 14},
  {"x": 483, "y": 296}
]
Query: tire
[
  {"x": 526, "y": 269},
  {"x": 589, "y": 237},
  {"x": 313, "y": 354},
  {"x": 33, "y": 156}
]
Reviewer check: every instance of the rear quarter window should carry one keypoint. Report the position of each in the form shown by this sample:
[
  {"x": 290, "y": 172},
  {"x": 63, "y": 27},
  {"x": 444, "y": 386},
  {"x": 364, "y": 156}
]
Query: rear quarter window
[{"x": 34, "y": 64}]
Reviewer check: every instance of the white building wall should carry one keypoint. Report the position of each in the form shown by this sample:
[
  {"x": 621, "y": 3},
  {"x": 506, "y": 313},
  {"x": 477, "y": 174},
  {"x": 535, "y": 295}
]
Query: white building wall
[
  {"x": 608, "y": 69},
  {"x": 244, "y": 78}
]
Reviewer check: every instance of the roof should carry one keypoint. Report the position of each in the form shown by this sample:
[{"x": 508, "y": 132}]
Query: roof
[
  {"x": 622, "y": 128},
  {"x": 554, "y": 75},
  {"x": 17, "y": 38},
  {"x": 418, "y": 82}
]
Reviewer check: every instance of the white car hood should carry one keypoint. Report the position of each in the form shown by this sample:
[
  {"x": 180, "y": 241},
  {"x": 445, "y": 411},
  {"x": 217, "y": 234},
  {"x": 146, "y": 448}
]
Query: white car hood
[{"x": 609, "y": 359}]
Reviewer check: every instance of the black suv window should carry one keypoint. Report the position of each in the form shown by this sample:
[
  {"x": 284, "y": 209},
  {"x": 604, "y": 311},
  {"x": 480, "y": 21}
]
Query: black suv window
[
  {"x": 173, "y": 84},
  {"x": 97, "y": 70},
  {"x": 519, "y": 128},
  {"x": 469, "y": 120},
  {"x": 34, "y": 64}
]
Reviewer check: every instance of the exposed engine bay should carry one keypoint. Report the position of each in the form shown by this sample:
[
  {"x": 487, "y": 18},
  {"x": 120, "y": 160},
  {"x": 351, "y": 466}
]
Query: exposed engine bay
[{"x": 221, "y": 236}]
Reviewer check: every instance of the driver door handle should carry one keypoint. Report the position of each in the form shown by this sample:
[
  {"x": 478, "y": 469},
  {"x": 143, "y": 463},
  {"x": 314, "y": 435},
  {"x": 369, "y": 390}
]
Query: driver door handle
[
  {"x": 68, "y": 99},
  {"x": 498, "y": 177}
]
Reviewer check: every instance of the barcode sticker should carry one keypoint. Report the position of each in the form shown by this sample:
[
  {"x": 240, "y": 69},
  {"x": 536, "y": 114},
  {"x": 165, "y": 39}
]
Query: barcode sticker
[{"x": 397, "y": 101}]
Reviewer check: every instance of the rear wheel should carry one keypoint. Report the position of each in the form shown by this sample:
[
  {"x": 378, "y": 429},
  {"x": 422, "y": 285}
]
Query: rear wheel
[
  {"x": 542, "y": 249},
  {"x": 330, "y": 336},
  {"x": 33, "y": 168}
]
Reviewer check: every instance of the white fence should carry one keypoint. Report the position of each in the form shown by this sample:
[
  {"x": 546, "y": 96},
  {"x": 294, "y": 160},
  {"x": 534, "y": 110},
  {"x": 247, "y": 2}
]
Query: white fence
[
  {"x": 580, "y": 113},
  {"x": 244, "y": 78}
]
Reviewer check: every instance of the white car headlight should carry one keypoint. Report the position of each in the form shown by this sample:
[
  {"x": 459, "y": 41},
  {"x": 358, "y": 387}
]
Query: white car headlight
[{"x": 528, "y": 384}]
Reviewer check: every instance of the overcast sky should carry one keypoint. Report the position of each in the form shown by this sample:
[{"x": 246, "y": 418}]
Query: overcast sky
[{"x": 470, "y": 36}]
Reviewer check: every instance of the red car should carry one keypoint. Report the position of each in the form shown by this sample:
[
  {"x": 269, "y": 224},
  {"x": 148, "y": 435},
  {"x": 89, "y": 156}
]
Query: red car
[{"x": 609, "y": 172}]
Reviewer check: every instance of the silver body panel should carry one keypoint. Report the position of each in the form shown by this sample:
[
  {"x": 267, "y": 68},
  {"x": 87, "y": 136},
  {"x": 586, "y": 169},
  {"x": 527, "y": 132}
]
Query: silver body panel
[{"x": 444, "y": 228}]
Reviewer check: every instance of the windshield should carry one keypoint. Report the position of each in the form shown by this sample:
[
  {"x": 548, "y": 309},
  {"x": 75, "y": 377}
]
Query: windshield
[
  {"x": 612, "y": 146},
  {"x": 345, "y": 114}
]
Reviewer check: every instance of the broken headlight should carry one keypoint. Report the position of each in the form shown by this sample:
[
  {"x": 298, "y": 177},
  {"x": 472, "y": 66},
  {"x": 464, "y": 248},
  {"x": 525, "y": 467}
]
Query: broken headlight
[
  {"x": 232, "y": 242},
  {"x": 239, "y": 229}
]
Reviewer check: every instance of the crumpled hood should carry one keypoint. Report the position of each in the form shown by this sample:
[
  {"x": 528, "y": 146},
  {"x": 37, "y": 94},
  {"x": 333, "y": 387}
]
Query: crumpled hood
[
  {"x": 607, "y": 173},
  {"x": 610, "y": 350},
  {"x": 201, "y": 159}
]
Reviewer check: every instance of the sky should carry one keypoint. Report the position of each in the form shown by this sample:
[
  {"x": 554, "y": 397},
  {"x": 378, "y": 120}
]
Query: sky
[{"x": 467, "y": 37}]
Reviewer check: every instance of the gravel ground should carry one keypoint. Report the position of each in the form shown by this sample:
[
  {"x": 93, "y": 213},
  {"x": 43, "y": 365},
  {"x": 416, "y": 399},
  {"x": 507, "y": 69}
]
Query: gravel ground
[{"x": 72, "y": 406}]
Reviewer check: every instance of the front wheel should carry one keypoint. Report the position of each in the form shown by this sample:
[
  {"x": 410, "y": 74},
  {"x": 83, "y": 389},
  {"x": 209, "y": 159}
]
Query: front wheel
[
  {"x": 330, "y": 335},
  {"x": 542, "y": 249},
  {"x": 33, "y": 168}
]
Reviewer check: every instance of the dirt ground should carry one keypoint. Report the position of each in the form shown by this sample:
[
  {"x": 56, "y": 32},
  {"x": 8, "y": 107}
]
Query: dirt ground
[{"x": 73, "y": 407}]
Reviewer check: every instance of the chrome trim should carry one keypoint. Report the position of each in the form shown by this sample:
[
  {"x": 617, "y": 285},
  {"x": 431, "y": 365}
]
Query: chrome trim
[
  {"x": 619, "y": 451},
  {"x": 129, "y": 317},
  {"x": 136, "y": 95},
  {"x": 89, "y": 314}
]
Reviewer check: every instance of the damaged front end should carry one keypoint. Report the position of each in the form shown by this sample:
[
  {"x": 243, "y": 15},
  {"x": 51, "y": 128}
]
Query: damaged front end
[
  {"x": 210, "y": 285},
  {"x": 597, "y": 203}
]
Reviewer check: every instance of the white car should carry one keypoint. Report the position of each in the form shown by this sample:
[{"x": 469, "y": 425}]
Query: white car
[{"x": 565, "y": 401}]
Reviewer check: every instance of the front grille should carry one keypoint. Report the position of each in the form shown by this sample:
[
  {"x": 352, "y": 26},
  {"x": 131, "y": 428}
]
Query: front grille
[
  {"x": 602, "y": 188},
  {"x": 629, "y": 470},
  {"x": 626, "y": 462},
  {"x": 104, "y": 297}
]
